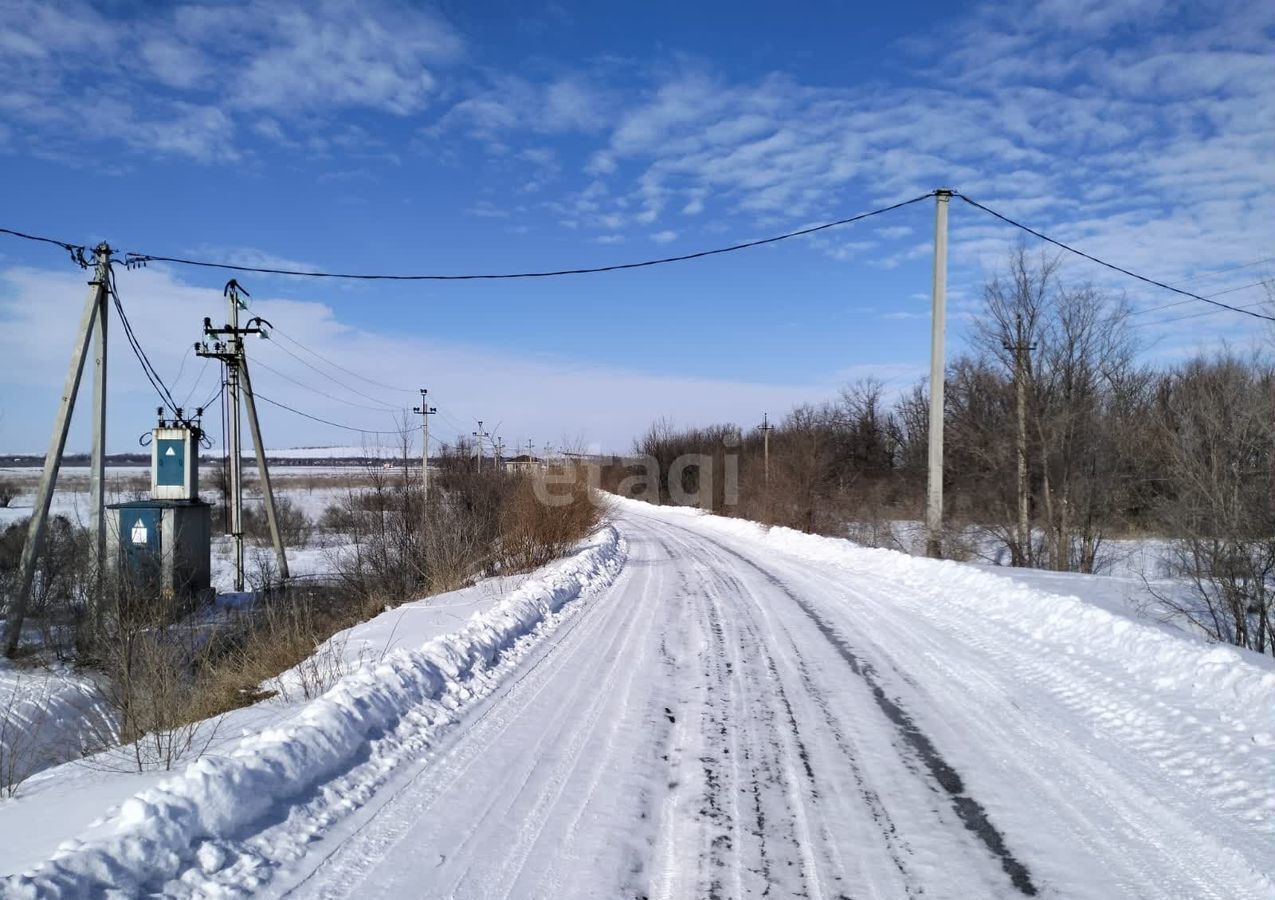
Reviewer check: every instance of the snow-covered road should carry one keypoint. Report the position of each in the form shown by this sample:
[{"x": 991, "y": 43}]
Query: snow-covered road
[
  {"x": 727, "y": 720},
  {"x": 696, "y": 707}
]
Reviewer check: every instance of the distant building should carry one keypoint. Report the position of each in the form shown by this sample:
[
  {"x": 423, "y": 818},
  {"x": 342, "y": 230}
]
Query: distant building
[{"x": 524, "y": 463}]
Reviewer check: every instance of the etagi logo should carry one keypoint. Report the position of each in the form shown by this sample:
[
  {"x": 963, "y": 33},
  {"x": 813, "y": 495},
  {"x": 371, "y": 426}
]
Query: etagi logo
[{"x": 700, "y": 480}]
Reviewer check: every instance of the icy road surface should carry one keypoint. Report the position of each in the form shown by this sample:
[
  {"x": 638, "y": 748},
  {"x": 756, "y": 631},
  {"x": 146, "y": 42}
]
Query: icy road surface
[
  {"x": 725, "y": 721},
  {"x": 703, "y": 709}
]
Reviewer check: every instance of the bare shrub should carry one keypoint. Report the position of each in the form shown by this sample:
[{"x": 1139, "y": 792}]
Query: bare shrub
[
  {"x": 152, "y": 661},
  {"x": 22, "y": 718},
  {"x": 8, "y": 491},
  {"x": 60, "y": 587},
  {"x": 539, "y": 523},
  {"x": 1215, "y": 418},
  {"x": 337, "y": 518},
  {"x": 295, "y": 527}
]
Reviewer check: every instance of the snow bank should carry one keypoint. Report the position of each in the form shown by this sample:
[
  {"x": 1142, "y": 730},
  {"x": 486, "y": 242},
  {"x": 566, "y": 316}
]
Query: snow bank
[{"x": 159, "y": 830}]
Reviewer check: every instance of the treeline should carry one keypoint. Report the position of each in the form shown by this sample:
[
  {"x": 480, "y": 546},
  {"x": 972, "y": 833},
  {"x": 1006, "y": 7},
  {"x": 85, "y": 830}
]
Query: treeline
[{"x": 1057, "y": 439}]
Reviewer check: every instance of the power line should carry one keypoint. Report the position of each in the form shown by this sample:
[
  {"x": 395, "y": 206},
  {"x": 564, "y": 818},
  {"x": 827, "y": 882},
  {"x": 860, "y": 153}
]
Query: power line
[
  {"x": 151, "y": 374},
  {"x": 213, "y": 399},
  {"x": 261, "y": 396},
  {"x": 324, "y": 394},
  {"x": 77, "y": 251},
  {"x": 198, "y": 380},
  {"x": 134, "y": 258},
  {"x": 1112, "y": 266},
  {"x": 335, "y": 381},
  {"x": 1215, "y": 272},
  {"x": 1242, "y": 287},
  {"x": 337, "y": 365},
  {"x": 1198, "y": 315},
  {"x": 276, "y": 331}
]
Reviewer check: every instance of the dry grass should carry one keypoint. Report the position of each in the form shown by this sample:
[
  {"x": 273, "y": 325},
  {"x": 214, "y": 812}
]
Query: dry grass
[{"x": 544, "y": 515}]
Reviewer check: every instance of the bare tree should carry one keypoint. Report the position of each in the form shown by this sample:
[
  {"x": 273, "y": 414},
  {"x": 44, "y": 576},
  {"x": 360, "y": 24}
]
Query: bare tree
[
  {"x": 1216, "y": 421},
  {"x": 1064, "y": 350}
]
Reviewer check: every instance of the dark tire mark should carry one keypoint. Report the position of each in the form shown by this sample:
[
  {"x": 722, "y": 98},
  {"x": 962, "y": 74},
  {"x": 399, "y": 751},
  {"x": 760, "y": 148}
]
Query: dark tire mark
[{"x": 971, "y": 813}]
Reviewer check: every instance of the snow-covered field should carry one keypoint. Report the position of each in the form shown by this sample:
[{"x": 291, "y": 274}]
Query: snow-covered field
[{"x": 692, "y": 706}]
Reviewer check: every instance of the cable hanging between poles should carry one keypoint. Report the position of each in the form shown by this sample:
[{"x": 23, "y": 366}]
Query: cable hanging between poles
[
  {"x": 293, "y": 410},
  {"x": 1115, "y": 268},
  {"x": 133, "y": 259}
]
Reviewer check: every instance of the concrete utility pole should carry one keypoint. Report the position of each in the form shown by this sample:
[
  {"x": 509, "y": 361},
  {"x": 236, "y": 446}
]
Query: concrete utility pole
[
  {"x": 766, "y": 429},
  {"x": 239, "y": 387},
  {"x": 424, "y": 411},
  {"x": 1020, "y": 348},
  {"x": 481, "y": 436},
  {"x": 498, "y": 451},
  {"x": 263, "y": 470},
  {"x": 97, "y": 451},
  {"x": 92, "y": 325},
  {"x": 234, "y": 425},
  {"x": 938, "y": 367}
]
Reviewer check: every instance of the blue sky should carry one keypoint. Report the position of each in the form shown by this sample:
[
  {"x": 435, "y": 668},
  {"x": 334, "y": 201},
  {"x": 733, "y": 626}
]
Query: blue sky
[{"x": 505, "y": 136}]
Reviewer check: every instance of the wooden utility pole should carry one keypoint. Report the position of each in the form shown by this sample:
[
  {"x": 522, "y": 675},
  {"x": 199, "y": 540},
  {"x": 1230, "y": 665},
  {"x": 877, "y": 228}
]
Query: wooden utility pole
[
  {"x": 1020, "y": 348},
  {"x": 424, "y": 411},
  {"x": 95, "y": 308},
  {"x": 938, "y": 321},
  {"x": 766, "y": 429}
]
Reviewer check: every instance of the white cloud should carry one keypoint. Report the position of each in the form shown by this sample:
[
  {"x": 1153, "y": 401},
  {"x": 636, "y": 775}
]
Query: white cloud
[
  {"x": 1153, "y": 151},
  {"x": 664, "y": 237},
  {"x": 575, "y": 400},
  {"x": 336, "y": 53},
  {"x": 177, "y": 82}
]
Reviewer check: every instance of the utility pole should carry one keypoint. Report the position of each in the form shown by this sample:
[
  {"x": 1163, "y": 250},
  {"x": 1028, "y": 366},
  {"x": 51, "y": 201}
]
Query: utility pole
[
  {"x": 766, "y": 429},
  {"x": 97, "y": 454},
  {"x": 1020, "y": 348},
  {"x": 938, "y": 367},
  {"x": 92, "y": 326},
  {"x": 236, "y": 456},
  {"x": 498, "y": 450},
  {"x": 481, "y": 436},
  {"x": 239, "y": 387},
  {"x": 424, "y": 411}
]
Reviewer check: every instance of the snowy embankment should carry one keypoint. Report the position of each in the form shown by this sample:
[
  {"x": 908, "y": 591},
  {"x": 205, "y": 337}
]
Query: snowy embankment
[
  {"x": 48, "y": 716},
  {"x": 160, "y": 831}
]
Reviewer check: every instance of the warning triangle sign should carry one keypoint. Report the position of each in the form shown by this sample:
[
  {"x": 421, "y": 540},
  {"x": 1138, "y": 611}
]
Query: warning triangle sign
[{"x": 170, "y": 452}]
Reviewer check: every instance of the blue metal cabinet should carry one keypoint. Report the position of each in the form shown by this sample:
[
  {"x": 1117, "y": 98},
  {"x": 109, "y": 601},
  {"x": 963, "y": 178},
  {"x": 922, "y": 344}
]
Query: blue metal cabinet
[
  {"x": 170, "y": 463},
  {"x": 140, "y": 540}
]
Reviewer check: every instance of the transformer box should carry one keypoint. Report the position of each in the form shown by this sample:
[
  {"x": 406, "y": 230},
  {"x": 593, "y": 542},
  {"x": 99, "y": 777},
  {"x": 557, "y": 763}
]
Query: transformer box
[{"x": 163, "y": 546}]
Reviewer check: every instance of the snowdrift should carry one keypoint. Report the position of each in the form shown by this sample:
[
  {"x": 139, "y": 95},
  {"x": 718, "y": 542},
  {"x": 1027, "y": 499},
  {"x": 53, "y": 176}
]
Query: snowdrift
[{"x": 159, "y": 831}]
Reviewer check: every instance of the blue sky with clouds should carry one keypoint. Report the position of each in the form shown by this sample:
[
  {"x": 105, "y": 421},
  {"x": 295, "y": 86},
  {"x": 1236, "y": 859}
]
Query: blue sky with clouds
[{"x": 453, "y": 137}]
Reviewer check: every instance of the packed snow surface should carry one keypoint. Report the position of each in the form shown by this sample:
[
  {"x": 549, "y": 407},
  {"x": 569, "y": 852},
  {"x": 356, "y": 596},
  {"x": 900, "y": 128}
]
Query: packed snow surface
[{"x": 695, "y": 707}]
